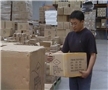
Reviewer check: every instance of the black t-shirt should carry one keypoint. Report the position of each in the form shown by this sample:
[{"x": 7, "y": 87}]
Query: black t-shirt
[{"x": 83, "y": 41}]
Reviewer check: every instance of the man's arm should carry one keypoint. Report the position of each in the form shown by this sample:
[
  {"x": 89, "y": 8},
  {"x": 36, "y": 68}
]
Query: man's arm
[
  {"x": 91, "y": 62},
  {"x": 90, "y": 66},
  {"x": 92, "y": 50}
]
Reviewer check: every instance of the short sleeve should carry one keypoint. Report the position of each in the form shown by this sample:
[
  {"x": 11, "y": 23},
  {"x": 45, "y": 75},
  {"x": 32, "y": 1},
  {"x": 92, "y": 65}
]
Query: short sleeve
[
  {"x": 65, "y": 48},
  {"x": 91, "y": 44}
]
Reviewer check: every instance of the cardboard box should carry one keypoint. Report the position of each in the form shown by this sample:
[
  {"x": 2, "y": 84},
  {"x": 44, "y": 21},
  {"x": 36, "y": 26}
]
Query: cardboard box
[
  {"x": 60, "y": 25},
  {"x": 68, "y": 64},
  {"x": 22, "y": 67},
  {"x": 18, "y": 37},
  {"x": 23, "y": 26},
  {"x": 2, "y": 24},
  {"x": 66, "y": 25},
  {"x": 67, "y": 10},
  {"x": 98, "y": 24},
  {"x": 56, "y": 40},
  {"x": 65, "y": 4},
  {"x": 46, "y": 43},
  {"x": 60, "y": 11},
  {"x": 61, "y": 18},
  {"x": 61, "y": 32},
  {"x": 62, "y": 39},
  {"x": 50, "y": 33},
  {"x": 9, "y": 25},
  {"x": 67, "y": 31},
  {"x": 6, "y": 32},
  {"x": 65, "y": 19},
  {"x": 60, "y": 4},
  {"x": 103, "y": 23}
]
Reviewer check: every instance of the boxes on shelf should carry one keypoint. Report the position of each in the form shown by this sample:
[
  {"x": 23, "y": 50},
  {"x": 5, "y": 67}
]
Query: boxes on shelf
[
  {"x": 101, "y": 12},
  {"x": 103, "y": 23}
]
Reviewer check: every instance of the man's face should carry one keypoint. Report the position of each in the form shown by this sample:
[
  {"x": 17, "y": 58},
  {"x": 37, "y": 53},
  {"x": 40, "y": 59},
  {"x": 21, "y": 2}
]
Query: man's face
[{"x": 77, "y": 25}]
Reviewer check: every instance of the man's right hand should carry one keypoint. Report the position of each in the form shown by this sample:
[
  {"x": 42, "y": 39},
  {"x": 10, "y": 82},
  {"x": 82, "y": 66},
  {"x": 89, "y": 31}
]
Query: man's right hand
[{"x": 49, "y": 57}]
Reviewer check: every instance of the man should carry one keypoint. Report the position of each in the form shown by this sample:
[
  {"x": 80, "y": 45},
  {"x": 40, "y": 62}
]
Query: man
[{"x": 81, "y": 40}]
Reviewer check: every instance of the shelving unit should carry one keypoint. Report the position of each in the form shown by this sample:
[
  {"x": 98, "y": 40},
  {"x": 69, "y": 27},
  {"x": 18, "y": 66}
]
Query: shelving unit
[{"x": 101, "y": 26}]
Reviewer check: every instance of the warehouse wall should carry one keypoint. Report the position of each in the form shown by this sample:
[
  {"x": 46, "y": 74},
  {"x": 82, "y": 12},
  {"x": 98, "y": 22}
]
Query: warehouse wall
[{"x": 36, "y": 5}]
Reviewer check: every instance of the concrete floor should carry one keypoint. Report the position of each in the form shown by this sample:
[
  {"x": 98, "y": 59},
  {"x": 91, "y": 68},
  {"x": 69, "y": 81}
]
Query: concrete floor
[{"x": 100, "y": 71}]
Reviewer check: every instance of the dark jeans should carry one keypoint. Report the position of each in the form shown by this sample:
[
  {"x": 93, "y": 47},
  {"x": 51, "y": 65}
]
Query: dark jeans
[{"x": 78, "y": 83}]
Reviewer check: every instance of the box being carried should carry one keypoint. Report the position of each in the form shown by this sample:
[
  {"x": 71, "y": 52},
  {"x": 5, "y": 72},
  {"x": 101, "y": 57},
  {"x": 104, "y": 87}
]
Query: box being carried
[{"x": 68, "y": 64}]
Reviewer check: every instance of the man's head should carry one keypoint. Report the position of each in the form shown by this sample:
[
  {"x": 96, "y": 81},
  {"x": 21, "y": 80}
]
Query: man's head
[{"x": 77, "y": 20}]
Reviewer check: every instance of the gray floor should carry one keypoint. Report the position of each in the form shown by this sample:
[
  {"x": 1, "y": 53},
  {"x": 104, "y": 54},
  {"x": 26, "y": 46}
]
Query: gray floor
[{"x": 100, "y": 71}]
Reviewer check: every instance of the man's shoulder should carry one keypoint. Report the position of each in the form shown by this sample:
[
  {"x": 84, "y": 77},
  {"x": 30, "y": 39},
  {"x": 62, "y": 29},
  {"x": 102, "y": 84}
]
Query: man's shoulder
[{"x": 88, "y": 32}]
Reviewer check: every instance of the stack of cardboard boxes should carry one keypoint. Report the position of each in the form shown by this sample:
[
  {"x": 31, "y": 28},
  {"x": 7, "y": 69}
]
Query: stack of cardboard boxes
[
  {"x": 5, "y": 10},
  {"x": 7, "y": 28},
  {"x": 64, "y": 10},
  {"x": 42, "y": 14},
  {"x": 22, "y": 11}
]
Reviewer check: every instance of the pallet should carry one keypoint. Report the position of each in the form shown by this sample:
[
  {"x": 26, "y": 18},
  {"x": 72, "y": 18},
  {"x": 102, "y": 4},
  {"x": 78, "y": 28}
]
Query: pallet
[{"x": 53, "y": 86}]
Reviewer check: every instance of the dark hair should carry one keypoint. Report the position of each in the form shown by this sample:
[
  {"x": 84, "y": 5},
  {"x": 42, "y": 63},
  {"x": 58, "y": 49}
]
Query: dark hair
[{"x": 77, "y": 14}]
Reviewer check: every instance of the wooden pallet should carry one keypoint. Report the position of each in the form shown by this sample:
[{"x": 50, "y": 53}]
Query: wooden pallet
[{"x": 53, "y": 86}]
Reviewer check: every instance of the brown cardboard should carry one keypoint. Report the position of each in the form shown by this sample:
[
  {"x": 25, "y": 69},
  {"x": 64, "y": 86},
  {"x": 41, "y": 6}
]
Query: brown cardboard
[
  {"x": 66, "y": 25},
  {"x": 18, "y": 37},
  {"x": 56, "y": 40},
  {"x": 67, "y": 10},
  {"x": 103, "y": 23},
  {"x": 2, "y": 24},
  {"x": 62, "y": 39},
  {"x": 6, "y": 32},
  {"x": 50, "y": 33},
  {"x": 65, "y": 4},
  {"x": 22, "y": 67},
  {"x": 9, "y": 25},
  {"x": 68, "y": 64},
  {"x": 61, "y": 18},
  {"x": 23, "y": 26},
  {"x": 45, "y": 43},
  {"x": 67, "y": 31},
  {"x": 60, "y": 4},
  {"x": 60, "y": 11},
  {"x": 61, "y": 32},
  {"x": 60, "y": 25},
  {"x": 65, "y": 18}
]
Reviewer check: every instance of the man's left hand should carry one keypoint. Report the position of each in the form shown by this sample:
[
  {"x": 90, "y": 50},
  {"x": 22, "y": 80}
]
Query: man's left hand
[{"x": 84, "y": 74}]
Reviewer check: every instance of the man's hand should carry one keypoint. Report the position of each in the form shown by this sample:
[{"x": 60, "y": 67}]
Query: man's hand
[
  {"x": 84, "y": 74},
  {"x": 49, "y": 57}
]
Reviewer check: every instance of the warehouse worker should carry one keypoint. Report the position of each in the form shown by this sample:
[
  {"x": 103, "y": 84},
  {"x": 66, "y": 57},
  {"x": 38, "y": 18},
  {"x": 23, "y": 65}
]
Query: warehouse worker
[{"x": 80, "y": 40}]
